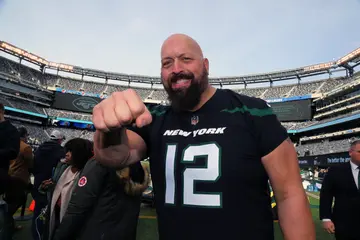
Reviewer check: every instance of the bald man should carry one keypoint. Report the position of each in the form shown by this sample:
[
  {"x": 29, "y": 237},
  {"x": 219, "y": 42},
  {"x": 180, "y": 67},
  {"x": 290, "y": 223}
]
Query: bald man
[{"x": 211, "y": 154}]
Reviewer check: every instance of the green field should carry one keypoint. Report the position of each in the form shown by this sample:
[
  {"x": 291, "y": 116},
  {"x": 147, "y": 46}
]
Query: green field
[{"x": 147, "y": 229}]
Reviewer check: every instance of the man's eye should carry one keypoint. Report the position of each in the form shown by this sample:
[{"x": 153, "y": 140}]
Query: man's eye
[{"x": 166, "y": 63}]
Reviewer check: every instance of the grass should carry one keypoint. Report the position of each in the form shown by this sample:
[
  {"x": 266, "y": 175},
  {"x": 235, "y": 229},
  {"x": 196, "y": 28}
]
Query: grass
[{"x": 147, "y": 227}]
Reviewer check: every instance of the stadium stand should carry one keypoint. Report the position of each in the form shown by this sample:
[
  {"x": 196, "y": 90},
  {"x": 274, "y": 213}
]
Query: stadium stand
[{"x": 31, "y": 87}]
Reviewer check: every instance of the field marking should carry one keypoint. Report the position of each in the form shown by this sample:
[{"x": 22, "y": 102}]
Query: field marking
[
  {"x": 313, "y": 195},
  {"x": 147, "y": 217}
]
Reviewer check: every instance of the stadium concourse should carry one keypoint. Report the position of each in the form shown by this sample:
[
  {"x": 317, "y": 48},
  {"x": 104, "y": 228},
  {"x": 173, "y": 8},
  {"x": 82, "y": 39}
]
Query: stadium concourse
[{"x": 318, "y": 104}]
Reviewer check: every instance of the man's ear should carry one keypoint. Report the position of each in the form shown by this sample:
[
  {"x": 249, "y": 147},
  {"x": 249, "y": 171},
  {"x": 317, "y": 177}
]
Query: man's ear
[{"x": 206, "y": 65}]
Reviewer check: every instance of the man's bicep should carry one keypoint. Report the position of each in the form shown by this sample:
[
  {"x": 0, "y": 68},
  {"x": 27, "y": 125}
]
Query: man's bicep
[
  {"x": 277, "y": 152},
  {"x": 283, "y": 169}
]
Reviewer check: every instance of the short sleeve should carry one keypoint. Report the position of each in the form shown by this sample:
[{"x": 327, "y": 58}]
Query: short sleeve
[{"x": 269, "y": 131}]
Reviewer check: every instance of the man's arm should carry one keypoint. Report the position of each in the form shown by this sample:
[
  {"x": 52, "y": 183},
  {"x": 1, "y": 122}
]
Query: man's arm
[
  {"x": 119, "y": 148},
  {"x": 280, "y": 161},
  {"x": 114, "y": 145},
  {"x": 326, "y": 196},
  {"x": 293, "y": 207}
]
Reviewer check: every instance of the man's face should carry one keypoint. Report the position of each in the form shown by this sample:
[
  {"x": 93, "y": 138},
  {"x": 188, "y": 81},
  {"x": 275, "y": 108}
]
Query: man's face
[
  {"x": 355, "y": 153},
  {"x": 184, "y": 74}
]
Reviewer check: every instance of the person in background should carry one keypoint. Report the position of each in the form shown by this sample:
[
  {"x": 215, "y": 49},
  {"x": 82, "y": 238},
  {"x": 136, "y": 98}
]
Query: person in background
[
  {"x": 19, "y": 172},
  {"x": 105, "y": 203},
  {"x": 60, "y": 187},
  {"x": 316, "y": 172},
  {"x": 46, "y": 158},
  {"x": 342, "y": 184},
  {"x": 9, "y": 149}
]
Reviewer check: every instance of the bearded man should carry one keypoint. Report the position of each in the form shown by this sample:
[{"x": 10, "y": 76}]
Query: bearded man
[{"x": 212, "y": 152}]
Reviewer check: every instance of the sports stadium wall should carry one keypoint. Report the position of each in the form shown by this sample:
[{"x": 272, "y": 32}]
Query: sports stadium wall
[
  {"x": 324, "y": 160},
  {"x": 298, "y": 108}
]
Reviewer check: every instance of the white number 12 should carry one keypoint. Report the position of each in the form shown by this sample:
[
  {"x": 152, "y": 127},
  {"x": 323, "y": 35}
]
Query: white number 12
[{"x": 210, "y": 172}]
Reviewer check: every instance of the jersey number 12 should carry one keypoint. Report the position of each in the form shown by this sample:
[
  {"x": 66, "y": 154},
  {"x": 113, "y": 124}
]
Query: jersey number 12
[{"x": 209, "y": 173}]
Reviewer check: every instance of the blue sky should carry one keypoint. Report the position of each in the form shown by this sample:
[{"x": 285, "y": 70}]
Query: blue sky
[{"x": 239, "y": 37}]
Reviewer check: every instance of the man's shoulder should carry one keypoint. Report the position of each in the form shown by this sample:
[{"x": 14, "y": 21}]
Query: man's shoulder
[
  {"x": 248, "y": 104},
  {"x": 156, "y": 109},
  {"x": 340, "y": 168}
]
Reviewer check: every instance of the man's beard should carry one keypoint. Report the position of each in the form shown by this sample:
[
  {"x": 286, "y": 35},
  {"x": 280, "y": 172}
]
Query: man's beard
[{"x": 186, "y": 98}]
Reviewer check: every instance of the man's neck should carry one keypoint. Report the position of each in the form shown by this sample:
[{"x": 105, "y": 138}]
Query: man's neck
[
  {"x": 354, "y": 162},
  {"x": 205, "y": 96},
  {"x": 2, "y": 119}
]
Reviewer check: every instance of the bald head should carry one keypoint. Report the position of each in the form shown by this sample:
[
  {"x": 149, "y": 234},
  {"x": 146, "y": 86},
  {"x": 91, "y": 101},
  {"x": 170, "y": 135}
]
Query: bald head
[{"x": 180, "y": 43}]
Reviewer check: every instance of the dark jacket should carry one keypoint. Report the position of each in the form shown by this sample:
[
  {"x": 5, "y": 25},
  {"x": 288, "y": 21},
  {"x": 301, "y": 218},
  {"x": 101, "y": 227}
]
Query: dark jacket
[
  {"x": 9, "y": 149},
  {"x": 9, "y": 144},
  {"x": 105, "y": 204},
  {"x": 58, "y": 171},
  {"x": 46, "y": 158},
  {"x": 339, "y": 184}
]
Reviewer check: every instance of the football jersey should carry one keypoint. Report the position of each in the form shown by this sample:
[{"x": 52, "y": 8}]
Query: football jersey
[{"x": 208, "y": 178}]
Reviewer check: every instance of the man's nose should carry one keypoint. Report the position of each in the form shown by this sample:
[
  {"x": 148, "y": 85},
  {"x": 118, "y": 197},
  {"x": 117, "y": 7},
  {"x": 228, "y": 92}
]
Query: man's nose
[{"x": 178, "y": 66}]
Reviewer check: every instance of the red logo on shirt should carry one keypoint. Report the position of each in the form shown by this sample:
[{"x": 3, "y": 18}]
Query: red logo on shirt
[{"x": 82, "y": 181}]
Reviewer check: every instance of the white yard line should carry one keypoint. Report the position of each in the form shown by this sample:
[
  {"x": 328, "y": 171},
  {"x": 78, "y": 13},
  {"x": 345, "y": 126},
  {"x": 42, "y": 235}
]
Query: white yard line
[{"x": 313, "y": 195}]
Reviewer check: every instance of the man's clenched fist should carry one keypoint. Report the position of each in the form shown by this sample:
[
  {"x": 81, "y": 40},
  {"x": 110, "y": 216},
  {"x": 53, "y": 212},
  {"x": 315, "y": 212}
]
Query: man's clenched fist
[{"x": 120, "y": 109}]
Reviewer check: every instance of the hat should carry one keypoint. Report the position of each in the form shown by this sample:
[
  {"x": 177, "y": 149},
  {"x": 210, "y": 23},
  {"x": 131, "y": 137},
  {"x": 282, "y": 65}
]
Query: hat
[{"x": 56, "y": 135}]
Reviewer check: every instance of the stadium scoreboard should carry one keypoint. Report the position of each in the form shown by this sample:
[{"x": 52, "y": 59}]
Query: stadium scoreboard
[
  {"x": 295, "y": 110},
  {"x": 75, "y": 102}
]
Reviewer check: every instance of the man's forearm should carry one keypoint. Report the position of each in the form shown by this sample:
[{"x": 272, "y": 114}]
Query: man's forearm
[
  {"x": 111, "y": 148},
  {"x": 295, "y": 217}
]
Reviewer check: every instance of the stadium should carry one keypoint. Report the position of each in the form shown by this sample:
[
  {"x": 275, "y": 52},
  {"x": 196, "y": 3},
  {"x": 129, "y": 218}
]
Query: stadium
[{"x": 318, "y": 104}]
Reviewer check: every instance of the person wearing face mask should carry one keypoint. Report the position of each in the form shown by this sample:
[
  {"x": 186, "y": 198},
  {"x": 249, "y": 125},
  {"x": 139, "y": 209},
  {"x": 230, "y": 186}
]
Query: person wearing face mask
[
  {"x": 342, "y": 184},
  {"x": 207, "y": 143}
]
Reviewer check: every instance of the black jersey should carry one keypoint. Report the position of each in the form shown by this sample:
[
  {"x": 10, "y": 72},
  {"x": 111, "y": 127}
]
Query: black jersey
[{"x": 206, "y": 168}]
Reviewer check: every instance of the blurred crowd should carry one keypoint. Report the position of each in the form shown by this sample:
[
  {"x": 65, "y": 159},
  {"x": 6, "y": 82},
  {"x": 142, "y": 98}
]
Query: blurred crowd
[{"x": 75, "y": 197}]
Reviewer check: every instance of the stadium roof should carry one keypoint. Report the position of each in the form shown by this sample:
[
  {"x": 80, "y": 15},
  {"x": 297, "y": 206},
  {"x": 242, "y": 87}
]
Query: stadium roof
[{"x": 349, "y": 61}]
